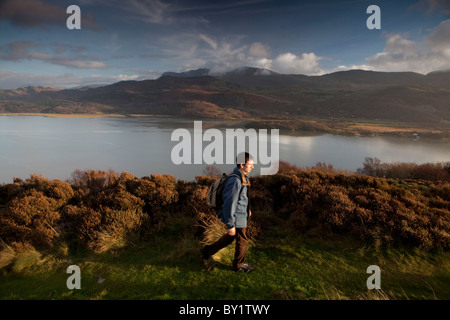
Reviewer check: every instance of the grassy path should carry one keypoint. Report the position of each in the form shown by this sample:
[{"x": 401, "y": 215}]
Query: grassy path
[{"x": 286, "y": 267}]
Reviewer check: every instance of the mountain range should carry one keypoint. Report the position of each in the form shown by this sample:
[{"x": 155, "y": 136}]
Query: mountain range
[{"x": 256, "y": 94}]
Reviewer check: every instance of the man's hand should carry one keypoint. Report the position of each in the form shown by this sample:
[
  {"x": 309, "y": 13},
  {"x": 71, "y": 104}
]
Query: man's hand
[{"x": 232, "y": 231}]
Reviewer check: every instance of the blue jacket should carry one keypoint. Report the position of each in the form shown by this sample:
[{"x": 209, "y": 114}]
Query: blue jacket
[{"x": 234, "y": 211}]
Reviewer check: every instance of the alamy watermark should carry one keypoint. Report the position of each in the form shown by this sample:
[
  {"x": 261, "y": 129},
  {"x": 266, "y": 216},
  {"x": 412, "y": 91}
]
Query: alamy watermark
[
  {"x": 374, "y": 21},
  {"x": 74, "y": 21},
  {"x": 74, "y": 281},
  {"x": 374, "y": 281},
  {"x": 223, "y": 149}
]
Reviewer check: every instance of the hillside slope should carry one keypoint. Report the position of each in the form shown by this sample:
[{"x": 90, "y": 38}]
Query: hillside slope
[{"x": 251, "y": 93}]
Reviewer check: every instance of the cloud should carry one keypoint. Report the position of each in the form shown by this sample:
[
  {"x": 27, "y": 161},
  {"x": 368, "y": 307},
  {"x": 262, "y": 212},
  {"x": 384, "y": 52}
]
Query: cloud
[
  {"x": 289, "y": 63},
  {"x": 353, "y": 67},
  {"x": 31, "y": 13},
  {"x": 397, "y": 45},
  {"x": 63, "y": 47},
  {"x": 400, "y": 54},
  {"x": 152, "y": 11},
  {"x": 226, "y": 55},
  {"x": 259, "y": 50},
  {"x": 305, "y": 63},
  {"x": 430, "y": 6},
  {"x": 25, "y": 50},
  {"x": 209, "y": 41},
  {"x": 36, "y": 13},
  {"x": 439, "y": 39},
  {"x": 199, "y": 50},
  {"x": 13, "y": 80},
  {"x": 16, "y": 51}
]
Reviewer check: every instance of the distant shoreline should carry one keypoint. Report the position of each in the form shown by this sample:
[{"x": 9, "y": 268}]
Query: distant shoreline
[{"x": 289, "y": 126}]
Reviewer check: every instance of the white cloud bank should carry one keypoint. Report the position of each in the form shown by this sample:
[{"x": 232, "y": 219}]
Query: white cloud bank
[
  {"x": 228, "y": 54},
  {"x": 401, "y": 54},
  {"x": 289, "y": 63}
]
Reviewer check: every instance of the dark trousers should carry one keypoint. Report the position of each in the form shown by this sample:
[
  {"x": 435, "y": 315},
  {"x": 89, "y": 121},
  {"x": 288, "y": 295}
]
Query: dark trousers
[{"x": 225, "y": 240}]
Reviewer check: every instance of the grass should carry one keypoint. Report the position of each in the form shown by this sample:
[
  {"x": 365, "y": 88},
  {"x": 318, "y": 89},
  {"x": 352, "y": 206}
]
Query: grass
[{"x": 287, "y": 266}]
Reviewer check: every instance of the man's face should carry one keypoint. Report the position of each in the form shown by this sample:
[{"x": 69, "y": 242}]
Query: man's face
[{"x": 248, "y": 166}]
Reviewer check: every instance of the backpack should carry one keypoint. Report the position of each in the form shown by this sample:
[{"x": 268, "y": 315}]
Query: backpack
[{"x": 214, "y": 198}]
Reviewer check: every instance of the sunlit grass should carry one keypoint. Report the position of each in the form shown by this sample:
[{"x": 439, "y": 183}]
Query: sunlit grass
[{"x": 287, "y": 266}]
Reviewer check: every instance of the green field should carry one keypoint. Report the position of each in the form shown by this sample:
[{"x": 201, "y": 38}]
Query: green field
[{"x": 287, "y": 266}]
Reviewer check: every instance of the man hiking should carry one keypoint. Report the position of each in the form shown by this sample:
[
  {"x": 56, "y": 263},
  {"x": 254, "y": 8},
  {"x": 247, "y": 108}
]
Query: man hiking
[{"x": 234, "y": 214}]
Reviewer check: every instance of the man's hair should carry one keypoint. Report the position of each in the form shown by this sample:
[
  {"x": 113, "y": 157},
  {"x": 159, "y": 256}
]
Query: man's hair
[{"x": 243, "y": 158}]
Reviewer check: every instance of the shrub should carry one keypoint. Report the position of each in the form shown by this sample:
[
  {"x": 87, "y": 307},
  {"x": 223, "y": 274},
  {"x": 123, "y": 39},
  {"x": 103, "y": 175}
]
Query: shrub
[
  {"x": 105, "y": 211},
  {"x": 94, "y": 180},
  {"x": 212, "y": 171},
  {"x": 160, "y": 196},
  {"x": 212, "y": 229},
  {"x": 402, "y": 170},
  {"x": 381, "y": 211},
  {"x": 32, "y": 215},
  {"x": 19, "y": 256},
  {"x": 118, "y": 229},
  {"x": 106, "y": 219},
  {"x": 285, "y": 167}
]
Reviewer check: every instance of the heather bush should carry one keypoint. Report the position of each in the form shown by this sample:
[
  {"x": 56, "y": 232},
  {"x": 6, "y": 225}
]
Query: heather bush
[
  {"x": 30, "y": 218},
  {"x": 260, "y": 197},
  {"x": 32, "y": 215},
  {"x": 337, "y": 208},
  {"x": 118, "y": 229},
  {"x": 107, "y": 217},
  {"x": 105, "y": 211},
  {"x": 406, "y": 170},
  {"x": 196, "y": 200},
  {"x": 94, "y": 180},
  {"x": 106, "y": 228},
  {"x": 286, "y": 167},
  {"x": 212, "y": 171},
  {"x": 159, "y": 194},
  {"x": 381, "y": 211},
  {"x": 3, "y": 195}
]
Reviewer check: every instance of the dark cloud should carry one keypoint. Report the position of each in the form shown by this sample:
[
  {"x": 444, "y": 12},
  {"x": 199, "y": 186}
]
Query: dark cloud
[
  {"x": 31, "y": 13},
  {"x": 24, "y": 50},
  {"x": 16, "y": 51},
  {"x": 36, "y": 13},
  {"x": 430, "y": 6},
  {"x": 62, "y": 47}
]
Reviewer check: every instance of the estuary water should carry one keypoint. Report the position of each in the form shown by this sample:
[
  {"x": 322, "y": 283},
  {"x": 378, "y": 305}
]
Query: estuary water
[{"x": 55, "y": 147}]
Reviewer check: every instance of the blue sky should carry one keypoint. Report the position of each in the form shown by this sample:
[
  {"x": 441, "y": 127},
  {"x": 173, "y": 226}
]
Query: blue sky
[{"x": 140, "y": 39}]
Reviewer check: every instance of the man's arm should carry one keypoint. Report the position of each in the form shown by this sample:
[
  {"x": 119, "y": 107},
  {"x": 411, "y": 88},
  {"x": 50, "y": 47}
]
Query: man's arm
[{"x": 230, "y": 199}]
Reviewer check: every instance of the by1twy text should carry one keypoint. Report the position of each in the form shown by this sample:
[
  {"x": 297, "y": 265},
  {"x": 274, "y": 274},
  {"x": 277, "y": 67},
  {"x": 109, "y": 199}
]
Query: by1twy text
[
  {"x": 245, "y": 309},
  {"x": 227, "y": 309}
]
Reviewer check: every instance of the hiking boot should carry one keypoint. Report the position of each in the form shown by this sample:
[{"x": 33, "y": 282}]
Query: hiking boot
[
  {"x": 207, "y": 260},
  {"x": 244, "y": 268}
]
